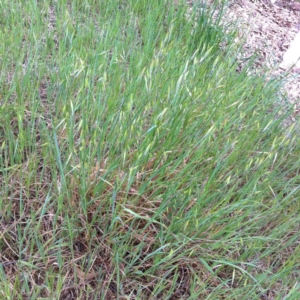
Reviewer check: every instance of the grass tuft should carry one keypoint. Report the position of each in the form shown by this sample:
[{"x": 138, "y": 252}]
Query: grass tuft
[{"x": 136, "y": 162}]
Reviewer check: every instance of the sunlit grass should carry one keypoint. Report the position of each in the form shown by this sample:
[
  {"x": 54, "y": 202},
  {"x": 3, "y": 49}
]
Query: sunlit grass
[{"x": 136, "y": 162}]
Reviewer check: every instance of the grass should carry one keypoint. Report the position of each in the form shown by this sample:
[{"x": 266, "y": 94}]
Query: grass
[{"x": 136, "y": 162}]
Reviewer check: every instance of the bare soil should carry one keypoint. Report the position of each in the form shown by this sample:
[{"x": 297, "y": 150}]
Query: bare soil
[{"x": 268, "y": 27}]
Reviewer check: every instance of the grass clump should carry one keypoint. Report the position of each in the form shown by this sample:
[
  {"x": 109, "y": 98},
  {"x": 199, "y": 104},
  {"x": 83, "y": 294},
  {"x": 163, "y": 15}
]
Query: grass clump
[{"x": 136, "y": 162}]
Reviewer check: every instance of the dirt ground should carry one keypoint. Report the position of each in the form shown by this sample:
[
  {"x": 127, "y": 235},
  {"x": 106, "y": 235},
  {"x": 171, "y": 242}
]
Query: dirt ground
[{"x": 268, "y": 27}]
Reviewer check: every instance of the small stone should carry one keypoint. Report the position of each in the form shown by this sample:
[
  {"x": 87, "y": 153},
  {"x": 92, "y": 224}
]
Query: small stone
[{"x": 292, "y": 55}]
